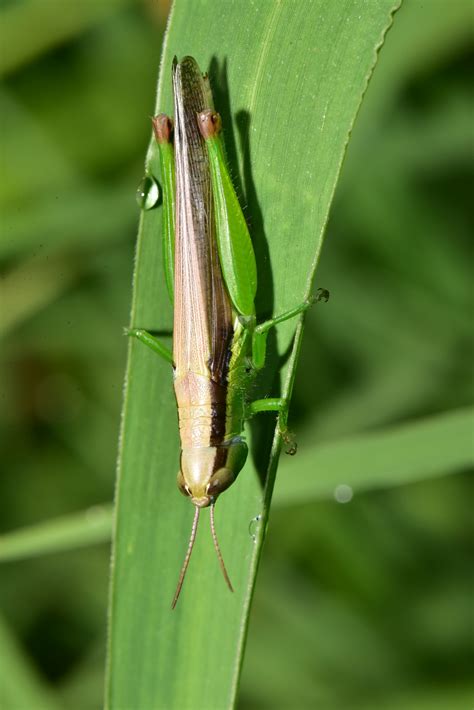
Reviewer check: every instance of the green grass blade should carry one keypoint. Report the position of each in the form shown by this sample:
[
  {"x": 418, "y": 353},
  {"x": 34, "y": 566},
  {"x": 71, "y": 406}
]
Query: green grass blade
[
  {"x": 289, "y": 78},
  {"x": 70, "y": 532},
  {"x": 404, "y": 454}
]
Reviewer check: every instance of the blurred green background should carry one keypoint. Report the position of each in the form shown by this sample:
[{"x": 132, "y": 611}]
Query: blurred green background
[{"x": 358, "y": 605}]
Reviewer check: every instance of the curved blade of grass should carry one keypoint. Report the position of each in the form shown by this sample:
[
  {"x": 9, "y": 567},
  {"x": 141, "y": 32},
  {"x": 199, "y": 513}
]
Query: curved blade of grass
[
  {"x": 291, "y": 75},
  {"x": 69, "y": 532},
  {"x": 404, "y": 454}
]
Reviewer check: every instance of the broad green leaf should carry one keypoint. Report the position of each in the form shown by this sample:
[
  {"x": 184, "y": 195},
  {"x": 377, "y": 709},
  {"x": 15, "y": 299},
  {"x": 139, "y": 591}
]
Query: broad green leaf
[{"x": 288, "y": 79}]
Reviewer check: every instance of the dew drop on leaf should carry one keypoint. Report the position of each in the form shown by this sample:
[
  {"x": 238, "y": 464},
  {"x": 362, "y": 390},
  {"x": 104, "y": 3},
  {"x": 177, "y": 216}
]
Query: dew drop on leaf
[{"x": 148, "y": 193}]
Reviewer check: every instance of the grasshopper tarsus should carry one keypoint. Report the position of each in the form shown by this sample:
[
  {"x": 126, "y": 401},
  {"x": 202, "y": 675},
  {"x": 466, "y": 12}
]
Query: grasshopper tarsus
[
  {"x": 322, "y": 294},
  {"x": 288, "y": 437},
  {"x": 290, "y": 442}
]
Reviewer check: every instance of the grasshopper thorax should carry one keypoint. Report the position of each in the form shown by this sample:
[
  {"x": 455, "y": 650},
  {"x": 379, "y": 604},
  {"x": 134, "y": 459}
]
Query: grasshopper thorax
[{"x": 207, "y": 471}]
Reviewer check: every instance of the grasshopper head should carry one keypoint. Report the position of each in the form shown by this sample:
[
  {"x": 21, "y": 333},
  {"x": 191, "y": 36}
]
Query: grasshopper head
[{"x": 207, "y": 471}]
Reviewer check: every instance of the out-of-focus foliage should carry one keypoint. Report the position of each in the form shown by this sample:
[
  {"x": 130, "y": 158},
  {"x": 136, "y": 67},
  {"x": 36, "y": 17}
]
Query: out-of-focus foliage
[
  {"x": 358, "y": 603},
  {"x": 74, "y": 131}
]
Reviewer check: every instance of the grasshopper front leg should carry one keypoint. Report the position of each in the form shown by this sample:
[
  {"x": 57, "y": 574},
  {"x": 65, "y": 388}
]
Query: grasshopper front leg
[{"x": 151, "y": 342}]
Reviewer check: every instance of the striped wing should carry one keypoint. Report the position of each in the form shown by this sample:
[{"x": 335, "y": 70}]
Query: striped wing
[{"x": 203, "y": 320}]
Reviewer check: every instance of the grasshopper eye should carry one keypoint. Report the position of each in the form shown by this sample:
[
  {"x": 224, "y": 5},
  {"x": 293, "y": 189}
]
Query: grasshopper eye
[
  {"x": 220, "y": 481},
  {"x": 225, "y": 476},
  {"x": 183, "y": 487}
]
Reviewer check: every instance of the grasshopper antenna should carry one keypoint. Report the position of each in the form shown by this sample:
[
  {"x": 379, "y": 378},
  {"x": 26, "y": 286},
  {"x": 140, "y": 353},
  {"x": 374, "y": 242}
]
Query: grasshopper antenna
[
  {"x": 218, "y": 551},
  {"x": 184, "y": 568}
]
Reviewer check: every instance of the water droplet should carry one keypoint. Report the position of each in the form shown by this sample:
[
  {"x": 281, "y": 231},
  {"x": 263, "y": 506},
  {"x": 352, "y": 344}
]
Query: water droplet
[
  {"x": 254, "y": 527},
  {"x": 343, "y": 493},
  {"x": 148, "y": 193}
]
